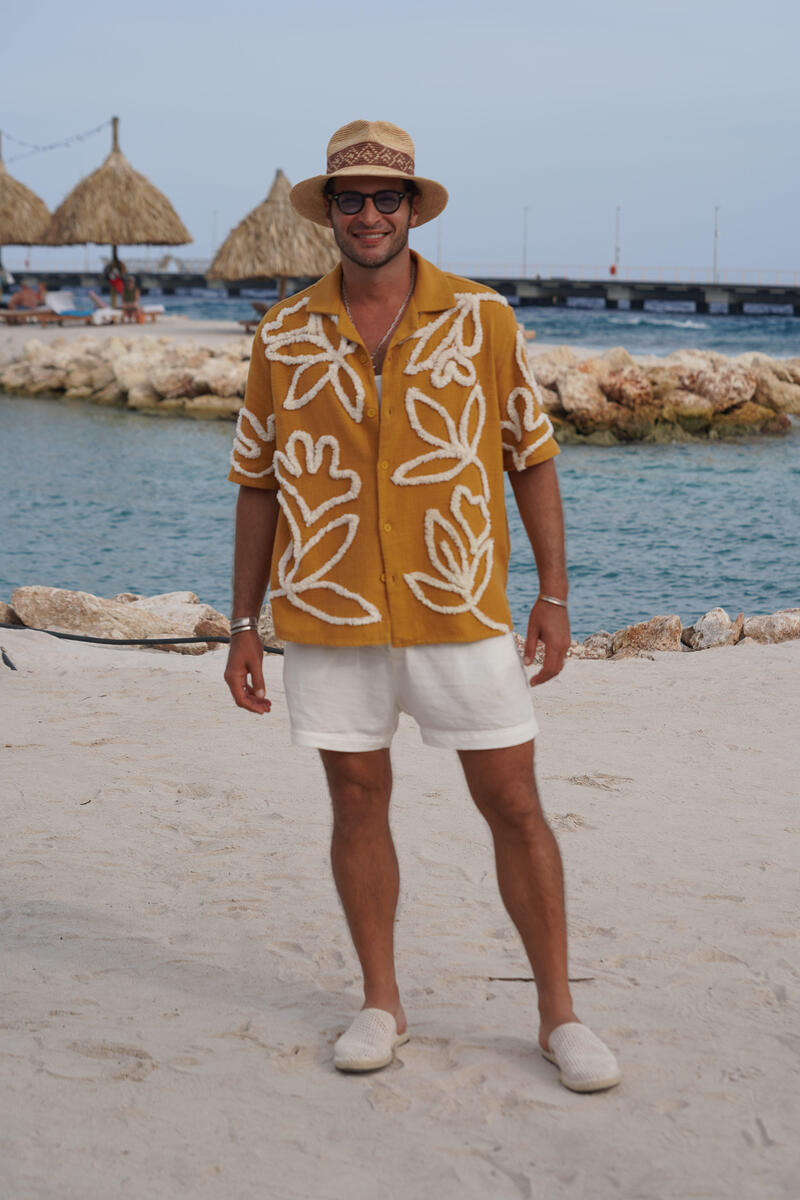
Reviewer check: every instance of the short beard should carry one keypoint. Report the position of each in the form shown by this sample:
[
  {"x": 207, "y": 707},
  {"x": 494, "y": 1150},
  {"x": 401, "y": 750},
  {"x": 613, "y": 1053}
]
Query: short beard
[{"x": 396, "y": 246}]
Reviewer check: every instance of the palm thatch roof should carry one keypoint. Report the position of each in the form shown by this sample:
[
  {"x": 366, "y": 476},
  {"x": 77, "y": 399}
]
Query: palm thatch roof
[
  {"x": 274, "y": 241},
  {"x": 116, "y": 206},
  {"x": 23, "y": 216}
]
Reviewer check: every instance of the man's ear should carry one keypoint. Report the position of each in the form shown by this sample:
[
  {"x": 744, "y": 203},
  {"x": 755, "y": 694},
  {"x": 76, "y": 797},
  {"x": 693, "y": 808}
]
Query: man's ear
[
  {"x": 327, "y": 202},
  {"x": 414, "y": 210}
]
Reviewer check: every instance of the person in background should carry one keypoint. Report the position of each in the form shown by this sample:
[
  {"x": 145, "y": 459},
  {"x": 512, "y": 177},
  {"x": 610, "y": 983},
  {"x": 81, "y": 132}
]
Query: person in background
[
  {"x": 114, "y": 272},
  {"x": 130, "y": 299},
  {"x": 30, "y": 295}
]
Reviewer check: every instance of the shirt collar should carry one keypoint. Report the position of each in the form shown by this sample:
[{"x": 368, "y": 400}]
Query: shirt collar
[{"x": 433, "y": 291}]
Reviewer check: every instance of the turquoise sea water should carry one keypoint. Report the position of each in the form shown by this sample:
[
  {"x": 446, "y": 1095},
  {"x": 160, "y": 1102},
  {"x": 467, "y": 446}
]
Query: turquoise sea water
[{"x": 108, "y": 501}]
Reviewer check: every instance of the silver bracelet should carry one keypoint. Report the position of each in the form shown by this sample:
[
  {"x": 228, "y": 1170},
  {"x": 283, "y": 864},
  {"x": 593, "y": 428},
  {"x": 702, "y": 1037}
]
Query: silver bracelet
[
  {"x": 239, "y": 624},
  {"x": 552, "y": 600}
]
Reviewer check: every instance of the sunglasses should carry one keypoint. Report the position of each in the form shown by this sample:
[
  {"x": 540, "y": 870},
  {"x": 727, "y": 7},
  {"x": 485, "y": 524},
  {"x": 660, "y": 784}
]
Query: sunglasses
[{"x": 385, "y": 200}]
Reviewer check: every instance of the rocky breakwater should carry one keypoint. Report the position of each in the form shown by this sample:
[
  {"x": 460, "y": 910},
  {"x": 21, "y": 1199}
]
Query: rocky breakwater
[
  {"x": 124, "y": 617},
  {"x": 690, "y": 394},
  {"x": 605, "y": 399},
  {"x": 152, "y": 375},
  {"x": 129, "y": 616},
  {"x": 667, "y": 633}
]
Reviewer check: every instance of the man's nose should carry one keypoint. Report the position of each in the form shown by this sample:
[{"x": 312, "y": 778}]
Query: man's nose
[{"x": 369, "y": 211}]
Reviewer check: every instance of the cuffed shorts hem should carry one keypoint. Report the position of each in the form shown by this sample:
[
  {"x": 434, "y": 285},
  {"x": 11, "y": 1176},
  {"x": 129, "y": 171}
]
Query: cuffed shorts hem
[
  {"x": 346, "y": 743},
  {"x": 480, "y": 739}
]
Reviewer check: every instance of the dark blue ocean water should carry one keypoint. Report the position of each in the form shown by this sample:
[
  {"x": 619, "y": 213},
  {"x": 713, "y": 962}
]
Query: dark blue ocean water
[{"x": 107, "y": 501}]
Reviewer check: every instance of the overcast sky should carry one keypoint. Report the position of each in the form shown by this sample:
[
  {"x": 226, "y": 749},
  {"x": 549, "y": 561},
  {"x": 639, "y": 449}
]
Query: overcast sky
[{"x": 568, "y": 108}]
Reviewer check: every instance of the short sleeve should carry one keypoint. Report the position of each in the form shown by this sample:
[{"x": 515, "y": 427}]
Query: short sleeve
[
  {"x": 254, "y": 441},
  {"x": 527, "y": 430}
]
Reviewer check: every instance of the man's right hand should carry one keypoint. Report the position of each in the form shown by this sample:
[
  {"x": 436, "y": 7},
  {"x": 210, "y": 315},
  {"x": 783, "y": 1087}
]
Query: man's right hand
[{"x": 244, "y": 673}]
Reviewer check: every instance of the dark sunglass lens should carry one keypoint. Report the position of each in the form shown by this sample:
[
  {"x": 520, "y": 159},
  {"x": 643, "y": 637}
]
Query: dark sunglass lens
[
  {"x": 350, "y": 202},
  {"x": 388, "y": 202}
]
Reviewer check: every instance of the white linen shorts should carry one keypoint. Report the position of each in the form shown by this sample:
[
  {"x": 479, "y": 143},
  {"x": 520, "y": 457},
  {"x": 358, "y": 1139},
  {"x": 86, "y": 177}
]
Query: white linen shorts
[{"x": 470, "y": 696}]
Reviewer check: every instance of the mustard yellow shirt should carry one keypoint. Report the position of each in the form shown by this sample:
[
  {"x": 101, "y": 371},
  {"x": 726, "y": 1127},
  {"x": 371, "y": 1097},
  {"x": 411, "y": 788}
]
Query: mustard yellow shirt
[{"x": 392, "y": 524}]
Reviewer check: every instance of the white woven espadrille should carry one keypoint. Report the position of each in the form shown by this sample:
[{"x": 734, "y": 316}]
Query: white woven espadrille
[
  {"x": 369, "y": 1043},
  {"x": 585, "y": 1063}
]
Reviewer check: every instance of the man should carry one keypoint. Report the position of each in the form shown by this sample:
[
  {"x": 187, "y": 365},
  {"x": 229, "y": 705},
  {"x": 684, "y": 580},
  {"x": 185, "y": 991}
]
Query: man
[
  {"x": 381, "y": 407},
  {"x": 30, "y": 296}
]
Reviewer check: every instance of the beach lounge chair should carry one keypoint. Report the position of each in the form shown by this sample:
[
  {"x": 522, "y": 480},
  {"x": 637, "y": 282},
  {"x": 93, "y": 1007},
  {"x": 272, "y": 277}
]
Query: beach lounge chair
[
  {"x": 60, "y": 309},
  {"x": 22, "y": 316},
  {"x": 151, "y": 311},
  {"x": 103, "y": 314}
]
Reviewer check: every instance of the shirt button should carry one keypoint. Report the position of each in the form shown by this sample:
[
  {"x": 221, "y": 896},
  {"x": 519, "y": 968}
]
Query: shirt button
[
  {"x": 371, "y": 412},
  {"x": 383, "y": 577},
  {"x": 384, "y": 465},
  {"x": 362, "y": 358},
  {"x": 387, "y": 528}
]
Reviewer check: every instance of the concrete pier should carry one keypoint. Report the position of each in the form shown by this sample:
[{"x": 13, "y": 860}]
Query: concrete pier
[{"x": 734, "y": 298}]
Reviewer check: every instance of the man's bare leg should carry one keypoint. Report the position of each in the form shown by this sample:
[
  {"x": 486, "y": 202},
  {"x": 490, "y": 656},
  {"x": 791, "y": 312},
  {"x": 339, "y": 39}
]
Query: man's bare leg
[
  {"x": 529, "y": 873},
  {"x": 365, "y": 867}
]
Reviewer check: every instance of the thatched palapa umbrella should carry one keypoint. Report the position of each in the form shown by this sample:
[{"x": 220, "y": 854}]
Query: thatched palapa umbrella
[
  {"x": 23, "y": 216},
  {"x": 275, "y": 242},
  {"x": 116, "y": 206}
]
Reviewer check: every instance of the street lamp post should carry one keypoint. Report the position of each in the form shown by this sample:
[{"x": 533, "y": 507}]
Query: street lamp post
[
  {"x": 715, "y": 271},
  {"x": 617, "y": 248},
  {"x": 525, "y": 242}
]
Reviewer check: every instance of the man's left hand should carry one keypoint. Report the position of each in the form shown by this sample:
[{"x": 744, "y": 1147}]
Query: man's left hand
[{"x": 549, "y": 624}]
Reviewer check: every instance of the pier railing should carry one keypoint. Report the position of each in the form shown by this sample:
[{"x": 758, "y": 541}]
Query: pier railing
[{"x": 758, "y": 277}]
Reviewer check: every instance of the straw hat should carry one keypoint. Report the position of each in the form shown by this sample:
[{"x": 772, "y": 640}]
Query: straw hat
[{"x": 375, "y": 148}]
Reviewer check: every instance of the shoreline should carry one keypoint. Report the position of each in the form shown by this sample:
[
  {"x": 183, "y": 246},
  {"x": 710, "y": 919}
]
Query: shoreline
[{"x": 198, "y": 369}]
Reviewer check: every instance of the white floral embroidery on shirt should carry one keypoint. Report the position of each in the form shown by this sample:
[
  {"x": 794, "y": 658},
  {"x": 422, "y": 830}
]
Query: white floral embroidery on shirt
[
  {"x": 289, "y": 468},
  {"x": 450, "y": 359},
  {"x": 462, "y": 553},
  {"x": 278, "y": 347},
  {"x": 250, "y": 445},
  {"x": 455, "y": 447},
  {"x": 292, "y": 469},
  {"x": 521, "y": 410}
]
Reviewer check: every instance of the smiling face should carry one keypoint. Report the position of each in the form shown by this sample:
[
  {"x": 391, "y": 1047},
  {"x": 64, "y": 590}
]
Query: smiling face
[{"x": 370, "y": 238}]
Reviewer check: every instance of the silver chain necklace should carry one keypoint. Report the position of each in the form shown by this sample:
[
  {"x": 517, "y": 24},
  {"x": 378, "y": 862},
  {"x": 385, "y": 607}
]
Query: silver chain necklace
[{"x": 398, "y": 315}]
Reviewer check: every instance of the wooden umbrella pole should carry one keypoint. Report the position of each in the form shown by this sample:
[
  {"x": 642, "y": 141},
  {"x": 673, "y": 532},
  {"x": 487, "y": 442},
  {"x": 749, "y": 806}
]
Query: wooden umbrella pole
[{"x": 114, "y": 260}]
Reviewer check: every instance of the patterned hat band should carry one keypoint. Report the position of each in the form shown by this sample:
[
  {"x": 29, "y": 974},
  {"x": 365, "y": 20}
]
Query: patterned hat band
[
  {"x": 370, "y": 154},
  {"x": 375, "y": 148}
]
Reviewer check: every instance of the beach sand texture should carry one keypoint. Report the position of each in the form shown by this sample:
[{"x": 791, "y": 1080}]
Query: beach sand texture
[{"x": 177, "y": 968}]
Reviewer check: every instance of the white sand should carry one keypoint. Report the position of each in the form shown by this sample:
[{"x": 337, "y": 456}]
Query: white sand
[
  {"x": 215, "y": 333},
  {"x": 176, "y": 967}
]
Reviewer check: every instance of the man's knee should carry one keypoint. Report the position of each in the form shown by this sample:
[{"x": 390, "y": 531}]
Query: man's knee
[
  {"x": 513, "y": 807},
  {"x": 359, "y": 785}
]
